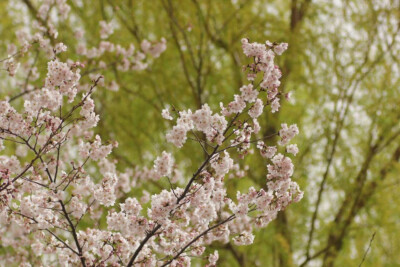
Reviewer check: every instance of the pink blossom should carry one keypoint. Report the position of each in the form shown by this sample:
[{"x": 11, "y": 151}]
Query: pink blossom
[
  {"x": 163, "y": 164},
  {"x": 292, "y": 149},
  {"x": 279, "y": 49}
]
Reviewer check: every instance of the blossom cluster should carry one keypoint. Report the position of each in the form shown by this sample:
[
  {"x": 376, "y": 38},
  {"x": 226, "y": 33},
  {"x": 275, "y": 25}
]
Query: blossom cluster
[{"x": 44, "y": 35}]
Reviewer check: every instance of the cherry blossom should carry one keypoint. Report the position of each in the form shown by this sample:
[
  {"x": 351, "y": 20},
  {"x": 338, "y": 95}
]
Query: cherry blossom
[
  {"x": 61, "y": 182},
  {"x": 163, "y": 164},
  {"x": 293, "y": 149}
]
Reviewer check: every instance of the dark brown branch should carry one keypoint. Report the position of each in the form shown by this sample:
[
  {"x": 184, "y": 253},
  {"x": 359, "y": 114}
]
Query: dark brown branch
[
  {"x": 230, "y": 218},
  {"x": 75, "y": 236}
]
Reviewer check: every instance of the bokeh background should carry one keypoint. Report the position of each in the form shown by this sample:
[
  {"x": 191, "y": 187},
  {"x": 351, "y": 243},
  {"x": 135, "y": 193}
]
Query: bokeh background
[{"x": 342, "y": 67}]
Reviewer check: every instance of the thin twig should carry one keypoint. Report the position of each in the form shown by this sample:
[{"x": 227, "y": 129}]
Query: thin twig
[{"x": 369, "y": 247}]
